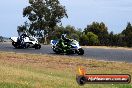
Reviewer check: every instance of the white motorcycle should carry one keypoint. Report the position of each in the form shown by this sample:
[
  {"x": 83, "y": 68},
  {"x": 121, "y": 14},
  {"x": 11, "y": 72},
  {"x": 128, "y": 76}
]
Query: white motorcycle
[
  {"x": 73, "y": 47},
  {"x": 25, "y": 41}
]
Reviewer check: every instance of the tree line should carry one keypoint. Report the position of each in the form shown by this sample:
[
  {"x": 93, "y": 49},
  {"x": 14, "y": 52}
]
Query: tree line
[
  {"x": 44, "y": 22},
  {"x": 96, "y": 34}
]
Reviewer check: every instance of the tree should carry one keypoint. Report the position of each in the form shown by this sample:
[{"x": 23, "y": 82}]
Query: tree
[
  {"x": 83, "y": 40},
  {"x": 111, "y": 39},
  {"x": 69, "y": 30},
  {"x": 23, "y": 28},
  {"x": 121, "y": 40},
  {"x": 127, "y": 32},
  {"x": 44, "y": 15},
  {"x": 116, "y": 39},
  {"x": 92, "y": 39},
  {"x": 75, "y": 36},
  {"x": 128, "y": 29},
  {"x": 58, "y": 31},
  {"x": 100, "y": 30},
  {"x": 1, "y": 39},
  {"x": 89, "y": 39}
]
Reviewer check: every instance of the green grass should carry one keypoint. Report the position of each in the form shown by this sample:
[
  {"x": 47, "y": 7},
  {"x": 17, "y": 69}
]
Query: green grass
[
  {"x": 48, "y": 71},
  {"x": 13, "y": 85}
]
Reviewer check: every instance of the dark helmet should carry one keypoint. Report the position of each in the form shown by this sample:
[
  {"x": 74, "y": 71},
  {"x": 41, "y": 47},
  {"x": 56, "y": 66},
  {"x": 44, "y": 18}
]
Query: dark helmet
[{"x": 63, "y": 36}]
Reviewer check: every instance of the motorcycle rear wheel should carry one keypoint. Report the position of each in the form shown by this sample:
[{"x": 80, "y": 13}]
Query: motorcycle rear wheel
[
  {"x": 37, "y": 46},
  {"x": 80, "y": 51}
]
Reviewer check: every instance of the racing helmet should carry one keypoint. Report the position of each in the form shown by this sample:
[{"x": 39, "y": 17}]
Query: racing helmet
[{"x": 63, "y": 36}]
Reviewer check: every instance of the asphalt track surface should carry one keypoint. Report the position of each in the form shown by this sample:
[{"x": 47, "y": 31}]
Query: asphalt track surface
[{"x": 92, "y": 53}]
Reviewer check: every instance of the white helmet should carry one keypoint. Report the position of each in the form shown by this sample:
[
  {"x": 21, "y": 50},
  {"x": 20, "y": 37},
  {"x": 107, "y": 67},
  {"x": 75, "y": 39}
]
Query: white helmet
[{"x": 63, "y": 36}]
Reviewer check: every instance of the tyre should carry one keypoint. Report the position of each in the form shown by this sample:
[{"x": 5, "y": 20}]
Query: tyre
[
  {"x": 80, "y": 51},
  {"x": 24, "y": 46},
  {"x": 37, "y": 46},
  {"x": 15, "y": 44},
  {"x": 81, "y": 80},
  {"x": 56, "y": 50}
]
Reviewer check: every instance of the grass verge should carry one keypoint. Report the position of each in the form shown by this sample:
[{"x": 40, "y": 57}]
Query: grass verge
[{"x": 54, "y": 71}]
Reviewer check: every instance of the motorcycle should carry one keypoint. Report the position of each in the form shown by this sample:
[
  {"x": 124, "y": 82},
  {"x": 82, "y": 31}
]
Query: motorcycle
[
  {"x": 72, "y": 48},
  {"x": 25, "y": 41}
]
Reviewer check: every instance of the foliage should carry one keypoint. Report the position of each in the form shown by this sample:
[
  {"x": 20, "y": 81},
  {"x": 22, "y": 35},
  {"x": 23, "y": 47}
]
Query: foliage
[
  {"x": 69, "y": 30},
  {"x": 1, "y": 39},
  {"x": 127, "y": 32},
  {"x": 43, "y": 16},
  {"x": 92, "y": 38},
  {"x": 100, "y": 30},
  {"x": 89, "y": 39}
]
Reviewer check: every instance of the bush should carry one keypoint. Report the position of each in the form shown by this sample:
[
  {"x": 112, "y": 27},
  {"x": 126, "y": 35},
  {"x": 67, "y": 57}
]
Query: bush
[{"x": 89, "y": 39}]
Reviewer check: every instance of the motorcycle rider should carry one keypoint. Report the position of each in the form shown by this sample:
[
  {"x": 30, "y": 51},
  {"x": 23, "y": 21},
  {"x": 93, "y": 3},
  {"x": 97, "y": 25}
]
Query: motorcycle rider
[
  {"x": 65, "y": 39},
  {"x": 64, "y": 43},
  {"x": 22, "y": 36}
]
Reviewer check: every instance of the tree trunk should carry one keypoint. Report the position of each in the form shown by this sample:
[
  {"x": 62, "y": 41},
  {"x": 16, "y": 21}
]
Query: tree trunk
[{"x": 45, "y": 40}]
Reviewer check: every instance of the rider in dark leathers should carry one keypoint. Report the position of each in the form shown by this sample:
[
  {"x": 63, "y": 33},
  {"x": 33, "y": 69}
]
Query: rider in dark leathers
[{"x": 22, "y": 37}]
